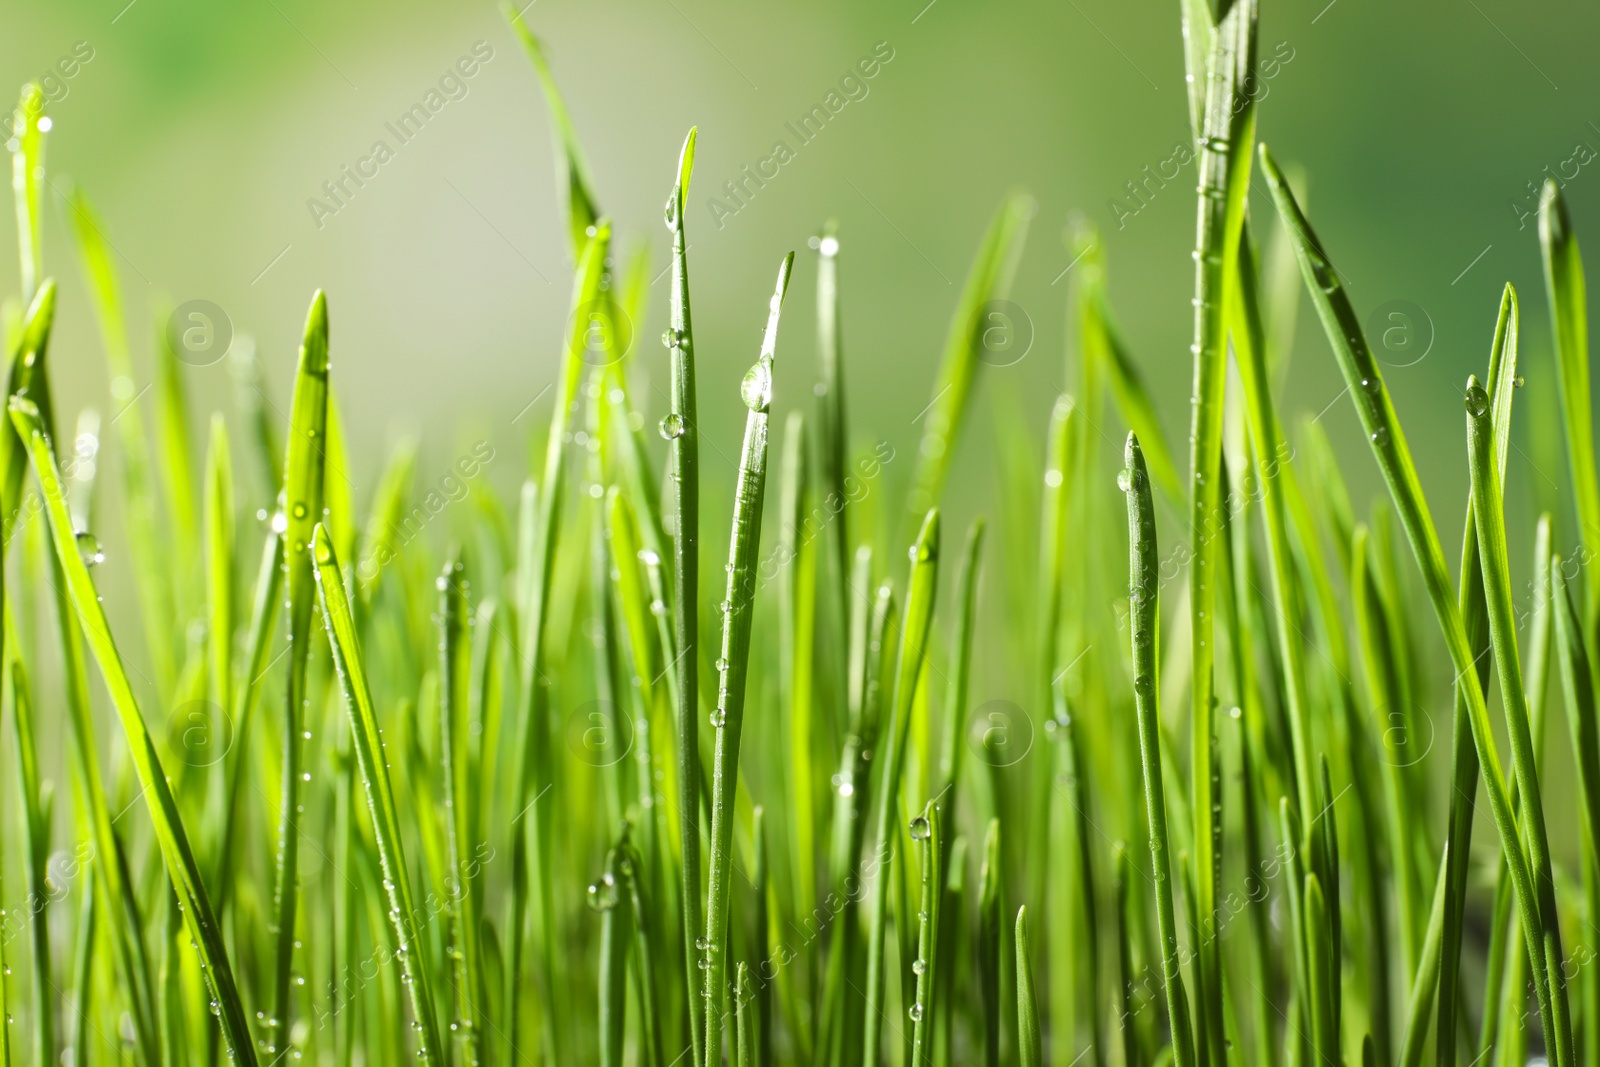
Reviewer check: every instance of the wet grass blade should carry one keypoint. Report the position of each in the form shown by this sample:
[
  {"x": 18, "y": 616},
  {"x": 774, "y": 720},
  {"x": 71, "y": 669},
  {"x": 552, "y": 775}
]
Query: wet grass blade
[
  {"x": 733, "y": 664},
  {"x": 927, "y": 829},
  {"x": 1382, "y": 427},
  {"x": 920, "y": 592},
  {"x": 965, "y": 346},
  {"x": 170, "y": 833},
  {"x": 1143, "y": 596},
  {"x": 681, "y": 428},
  {"x": 455, "y": 684},
  {"x": 372, "y": 758},
  {"x": 301, "y": 507}
]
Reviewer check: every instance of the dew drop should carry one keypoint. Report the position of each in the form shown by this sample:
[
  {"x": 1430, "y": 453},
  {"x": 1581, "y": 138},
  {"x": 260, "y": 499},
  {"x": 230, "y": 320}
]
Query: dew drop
[
  {"x": 672, "y": 426},
  {"x": 757, "y": 386}
]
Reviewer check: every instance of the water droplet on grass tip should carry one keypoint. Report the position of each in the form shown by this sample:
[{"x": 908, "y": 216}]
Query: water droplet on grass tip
[{"x": 1477, "y": 402}]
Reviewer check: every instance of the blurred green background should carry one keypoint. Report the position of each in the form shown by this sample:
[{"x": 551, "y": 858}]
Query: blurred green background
[{"x": 201, "y": 131}]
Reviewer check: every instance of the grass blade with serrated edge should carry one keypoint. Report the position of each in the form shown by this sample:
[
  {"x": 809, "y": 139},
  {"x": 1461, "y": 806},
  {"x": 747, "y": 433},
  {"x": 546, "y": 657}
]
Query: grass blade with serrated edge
[
  {"x": 1569, "y": 327},
  {"x": 572, "y": 172},
  {"x": 1226, "y": 132},
  {"x": 301, "y": 505},
  {"x": 175, "y": 850},
  {"x": 681, "y": 428},
  {"x": 455, "y": 683},
  {"x": 987, "y": 283},
  {"x": 369, "y": 745},
  {"x": 928, "y": 829},
  {"x": 738, "y": 613},
  {"x": 921, "y": 589},
  {"x": 1143, "y": 594},
  {"x": 1382, "y": 427},
  {"x": 138, "y": 482},
  {"x": 1030, "y": 1052},
  {"x": 532, "y": 749}
]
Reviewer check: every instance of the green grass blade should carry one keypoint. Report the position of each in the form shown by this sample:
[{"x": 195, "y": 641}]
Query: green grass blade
[
  {"x": 36, "y": 852},
  {"x": 989, "y": 281},
  {"x": 833, "y": 427},
  {"x": 991, "y": 910},
  {"x": 1143, "y": 610},
  {"x": 956, "y": 710},
  {"x": 1382, "y": 427},
  {"x": 176, "y": 457},
  {"x": 455, "y": 685},
  {"x": 738, "y": 614},
  {"x": 28, "y": 127},
  {"x": 181, "y": 866},
  {"x": 681, "y": 428},
  {"x": 301, "y": 505},
  {"x": 1427, "y": 980},
  {"x": 927, "y": 829},
  {"x": 921, "y": 589},
  {"x": 371, "y": 757},
  {"x": 572, "y": 172},
  {"x": 1030, "y": 1052},
  {"x": 219, "y": 541},
  {"x": 1569, "y": 326},
  {"x": 797, "y": 591}
]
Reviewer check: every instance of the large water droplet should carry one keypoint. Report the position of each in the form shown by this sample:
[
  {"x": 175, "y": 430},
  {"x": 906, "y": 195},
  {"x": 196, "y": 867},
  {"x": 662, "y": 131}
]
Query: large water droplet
[
  {"x": 89, "y": 548},
  {"x": 757, "y": 386},
  {"x": 921, "y": 829},
  {"x": 672, "y": 426}
]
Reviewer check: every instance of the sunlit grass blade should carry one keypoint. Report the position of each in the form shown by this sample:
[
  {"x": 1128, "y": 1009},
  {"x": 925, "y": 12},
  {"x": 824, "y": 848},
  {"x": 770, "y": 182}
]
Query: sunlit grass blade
[
  {"x": 36, "y": 811},
  {"x": 965, "y": 345},
  {"x": 181, "y": 866},
  {"x": 534, "y": 734},
  {"x": 797, "y": 592},
  {"x": 138, "y": 481},
  {"x": 572, "y": 172},
  {"x": 733, "y": 663},
  {"x": 301, "y": 506},
  {"x": 1143, "y": 616},
  {"x": 991, "y": 928},
  {"x": 921, "y": 588},
  {"x": 175, "y": 456},
  {"x": 371, "y": 756}
]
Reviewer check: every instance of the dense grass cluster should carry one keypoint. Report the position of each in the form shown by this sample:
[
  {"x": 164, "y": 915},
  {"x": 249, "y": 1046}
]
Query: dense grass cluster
[{"x": 583, "y": 797}]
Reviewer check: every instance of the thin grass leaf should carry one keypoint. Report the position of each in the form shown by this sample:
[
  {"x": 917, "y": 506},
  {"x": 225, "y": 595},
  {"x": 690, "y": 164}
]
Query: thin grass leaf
[
  {"x": 371, "y": 757},
  {"x": 921, "y": 587},
  {"x": 991, "y": 904},
  {"x": 833, "y": 427},
  {"x": 1143, "y": 596},
  {"x": 1030, "y": 1052},
  {"x": 302, "y": 509},
  {"x": 36, "y": 811},
  {"x": 967, "y": 342},
  {"x": 28, "y": 126},
  {"x": 180, "y": 862},
  {"x": 1427, "y": 980},
  {"x": 956, "y": 711},
  {"x": 738, "y": 613},
  {"x": 175, "y": 455},
  {"x": 1569, "y": 326},
  {"x": 1394, "y": 460},
  {"x": 572, "y": 172},
  {"x": 927, "y": 829},
  {"x": 797, "y": 592}
]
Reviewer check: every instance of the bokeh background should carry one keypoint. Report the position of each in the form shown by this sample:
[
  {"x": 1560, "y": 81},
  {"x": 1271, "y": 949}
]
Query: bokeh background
[{"x": 201, "y": 131}]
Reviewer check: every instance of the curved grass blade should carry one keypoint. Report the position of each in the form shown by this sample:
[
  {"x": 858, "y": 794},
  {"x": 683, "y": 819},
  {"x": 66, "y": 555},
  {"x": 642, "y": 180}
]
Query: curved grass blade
[
  {"x": 988, "y": 282},
  {"x": 301, "y": 504},
  {"x": 410, "y": 948},
  {"x": 1382, "y": 427},
  {"x": 572, "y": 172},
  {"x": 1143, "y": 596},
  {"x": 921, "y": 589},
  {"x": 138, "y": 483},
  {"x": 180, "y": 862},
  {"x": 1030, "y": 1052},
  {"x": 738, "y": 613}
]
